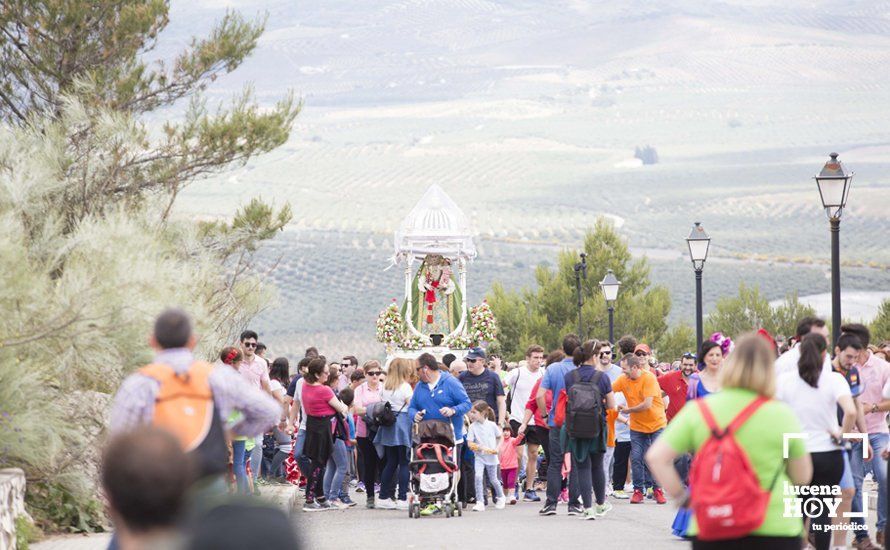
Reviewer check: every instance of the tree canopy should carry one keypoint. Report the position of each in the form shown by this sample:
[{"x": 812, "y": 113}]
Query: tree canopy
[
  {"x": 57, "y": 54},
  {"x": 880, "y": 325},
  {"x": 750, "y": 310},
  {"x": 545, "y": 314},
  {"x": 91, "y": 250}
]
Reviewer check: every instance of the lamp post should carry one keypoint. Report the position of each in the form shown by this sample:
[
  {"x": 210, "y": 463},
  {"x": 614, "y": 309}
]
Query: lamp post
[
  {"x": 610, "y": 285},
  {"x": 834, "y": 187},
  {"x": 698, "y": 242},
  {"x": 580, "y": 271}
]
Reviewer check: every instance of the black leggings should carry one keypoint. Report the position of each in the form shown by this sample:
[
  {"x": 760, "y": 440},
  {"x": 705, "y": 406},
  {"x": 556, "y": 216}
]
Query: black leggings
[
  {"x": 828, "y": 468},
  {"x": 591, "y": 478},
  {"x": 315, "y": 481},
  {"x": 619, "y": 471},
  {"x": 543, "y": 435},
  {"x": 370, "y": 464}
]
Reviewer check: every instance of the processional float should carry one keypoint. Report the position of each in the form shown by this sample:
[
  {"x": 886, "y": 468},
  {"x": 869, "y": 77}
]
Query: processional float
[{"x": 434, "y": 245}]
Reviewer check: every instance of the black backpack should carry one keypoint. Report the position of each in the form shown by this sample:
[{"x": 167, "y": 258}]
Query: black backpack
[
  {"x": 384, "y": 416},
  {"x": 584, "y": 407}
]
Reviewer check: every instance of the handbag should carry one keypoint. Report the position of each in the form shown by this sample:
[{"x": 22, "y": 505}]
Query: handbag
[{"x": 385, "y": 416}]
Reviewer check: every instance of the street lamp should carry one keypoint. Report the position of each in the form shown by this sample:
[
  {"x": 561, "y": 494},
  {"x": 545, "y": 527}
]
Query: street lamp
[
  {"x": 834, "y": 188},
  {"x": 580, "y": 271},
  {"x": 699, "y": 242},
  {"x": 610, "y": 285}
]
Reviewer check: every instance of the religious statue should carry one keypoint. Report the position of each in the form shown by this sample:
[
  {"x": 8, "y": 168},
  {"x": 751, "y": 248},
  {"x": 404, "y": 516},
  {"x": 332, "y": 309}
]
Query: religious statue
[{"x": 436, "y": 298}]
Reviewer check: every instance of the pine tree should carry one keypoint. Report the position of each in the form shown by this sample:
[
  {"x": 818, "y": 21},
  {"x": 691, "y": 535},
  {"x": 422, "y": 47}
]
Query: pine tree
[
  {"x": 91, "y": 252},
  {"x": 880, "y": 326},
  {"x": 545, "y": 314},
  {"x": 54, "y": 52}
]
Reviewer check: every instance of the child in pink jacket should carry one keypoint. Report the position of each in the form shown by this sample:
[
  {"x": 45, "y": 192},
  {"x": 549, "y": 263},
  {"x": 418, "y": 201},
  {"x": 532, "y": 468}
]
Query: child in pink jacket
[{"x": 509, "y": 463}]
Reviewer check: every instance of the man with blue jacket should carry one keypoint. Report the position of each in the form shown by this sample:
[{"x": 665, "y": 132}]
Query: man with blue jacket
[{"x": 439, "y": 396}]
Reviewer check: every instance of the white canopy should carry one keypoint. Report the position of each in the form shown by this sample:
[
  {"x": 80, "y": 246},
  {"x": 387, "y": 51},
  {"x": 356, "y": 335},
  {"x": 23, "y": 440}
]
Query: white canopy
[{"x": 436, "y": 225}]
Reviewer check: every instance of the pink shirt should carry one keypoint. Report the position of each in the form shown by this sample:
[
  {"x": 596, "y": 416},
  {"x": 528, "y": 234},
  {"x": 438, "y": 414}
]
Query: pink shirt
[
  {"x": 364, "y": 396},
  {"x": 507, "y": 450},
  {"x": 316, "y": 398},
  {"x": 874, "y": 374},
  {"x": 255, "y": 371}
]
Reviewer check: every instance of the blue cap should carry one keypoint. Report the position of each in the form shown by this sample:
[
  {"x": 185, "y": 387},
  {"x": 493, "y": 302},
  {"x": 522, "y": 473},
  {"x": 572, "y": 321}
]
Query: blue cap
[{"x": 476, "y": 353}]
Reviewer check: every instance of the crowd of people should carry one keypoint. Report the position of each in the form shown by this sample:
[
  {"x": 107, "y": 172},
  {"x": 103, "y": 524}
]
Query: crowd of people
[{"x": 585, "y": 424}]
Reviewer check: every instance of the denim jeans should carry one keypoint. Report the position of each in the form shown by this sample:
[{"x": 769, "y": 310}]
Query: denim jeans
[
  {"x": 481, "y": 469},
  {"x": 239, "y": 466},
  {"x": 335, "y": 470},
  {"x": 878, "y": 467},
  {"x": 396, "y": 462},
  {"x": 256, "y": 457},
  {"x": 277, "y": 468},
  {"x": 608, "y": 461},
  {"x": 299, "y": 442},
  {"x": 555, "y": 458},
  {"x": 639, "y": 444},
  {"x": 350, "y": 472}
]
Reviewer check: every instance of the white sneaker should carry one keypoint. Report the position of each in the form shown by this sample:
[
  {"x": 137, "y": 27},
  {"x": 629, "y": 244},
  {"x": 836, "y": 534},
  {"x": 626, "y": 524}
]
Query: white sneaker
[
  {"x": 386, "y": 504},
  {"x": 339, "y": 504},
  {"x": 500, "y": 503},
  {"x": 479, "y": 507},
  {"x": 401, "y": 505}
]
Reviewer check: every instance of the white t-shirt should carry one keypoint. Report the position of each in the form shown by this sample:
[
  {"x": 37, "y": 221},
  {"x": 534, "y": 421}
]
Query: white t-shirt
[
  {"x": 787, "y": 362},
  {"x": 276, "y": 387},
  {"x": 521, "y": 382},
  {"x": 816, "y": 408},
  {"x": 398, "y": 398},
  {"x": 298, "y": 391},
  {"x": 485, "y": 434}
]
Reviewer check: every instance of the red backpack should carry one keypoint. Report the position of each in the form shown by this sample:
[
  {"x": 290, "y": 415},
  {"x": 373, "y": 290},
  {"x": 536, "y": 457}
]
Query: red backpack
[{"x": 726, "y": 495}]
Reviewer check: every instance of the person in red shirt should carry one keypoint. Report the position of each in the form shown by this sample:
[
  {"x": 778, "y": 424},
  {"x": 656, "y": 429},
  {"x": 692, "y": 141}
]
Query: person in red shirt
[
  {"x": 675, "y": 384},
  {"x": 540, "y": 427}
]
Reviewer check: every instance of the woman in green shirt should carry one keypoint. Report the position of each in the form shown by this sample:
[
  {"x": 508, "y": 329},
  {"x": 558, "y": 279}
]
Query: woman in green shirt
[{"x": 747, "y": 374}]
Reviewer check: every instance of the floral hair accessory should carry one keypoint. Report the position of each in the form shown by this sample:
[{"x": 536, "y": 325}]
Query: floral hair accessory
[
  {"x": 230, "y": 357},
  {"x": 725, "y": 342}
]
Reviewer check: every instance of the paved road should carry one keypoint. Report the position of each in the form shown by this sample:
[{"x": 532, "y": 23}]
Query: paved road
[
  {"x": 638, "y": 526},
  {"x": 627, "y": 526}
]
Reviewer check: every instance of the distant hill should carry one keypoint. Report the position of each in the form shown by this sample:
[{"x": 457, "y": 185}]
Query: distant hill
[{"x": 529, "y": 114}]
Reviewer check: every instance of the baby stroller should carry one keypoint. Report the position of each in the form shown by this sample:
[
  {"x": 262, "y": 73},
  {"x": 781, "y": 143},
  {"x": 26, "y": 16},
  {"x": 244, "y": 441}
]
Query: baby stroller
[{"x": 434, "y": 472}]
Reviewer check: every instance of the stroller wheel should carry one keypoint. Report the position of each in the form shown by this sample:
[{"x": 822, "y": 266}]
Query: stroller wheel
[
  {"x": 449, "y": 510},
  {"x": 414, "y": 510},
  {"x": 460, "y": 509}
]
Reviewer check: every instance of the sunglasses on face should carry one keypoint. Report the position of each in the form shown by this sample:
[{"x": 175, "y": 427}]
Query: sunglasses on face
[
  {"x": 605, "y": 353},
  {"x": 375, "y": 373},
  {"x": 249, "y": 344},
  {"x": 641, "y": 354}
]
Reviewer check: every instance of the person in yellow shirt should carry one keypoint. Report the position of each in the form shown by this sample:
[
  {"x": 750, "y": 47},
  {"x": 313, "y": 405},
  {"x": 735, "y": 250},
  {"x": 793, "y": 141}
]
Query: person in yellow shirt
[{"x": 647, "y": 420}]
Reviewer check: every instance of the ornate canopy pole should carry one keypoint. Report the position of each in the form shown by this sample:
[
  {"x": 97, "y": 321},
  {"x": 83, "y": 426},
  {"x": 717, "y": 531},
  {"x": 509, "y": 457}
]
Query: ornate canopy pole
[
  {"x": 409, "y": 279},
  {"x": 462, "y": 281}
]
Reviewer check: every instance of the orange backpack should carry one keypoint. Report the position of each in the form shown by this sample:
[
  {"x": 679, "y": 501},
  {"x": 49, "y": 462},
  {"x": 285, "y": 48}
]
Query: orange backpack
[{"x": 184, "y": 404}]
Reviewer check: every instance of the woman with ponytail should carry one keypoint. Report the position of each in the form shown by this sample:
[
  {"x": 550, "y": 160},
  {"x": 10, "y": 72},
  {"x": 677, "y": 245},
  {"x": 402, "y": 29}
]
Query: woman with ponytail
[
  {"x": 815, "y": 395},
  {"x": 588, "y": 452}
]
